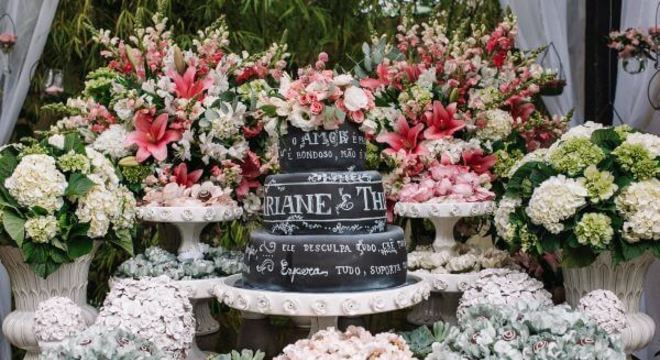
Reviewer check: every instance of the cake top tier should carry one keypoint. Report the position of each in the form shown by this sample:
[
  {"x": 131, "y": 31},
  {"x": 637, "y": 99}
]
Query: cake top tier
[{"x": 342, "y": 149}]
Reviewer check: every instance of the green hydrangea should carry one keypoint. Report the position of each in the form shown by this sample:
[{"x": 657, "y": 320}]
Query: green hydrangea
[
  {"x": 250, "y": 89},
  {"x": 574, "y": 155},
  {"x": 33, "y": 149},
  {"x": 71, "y": 161},
  {"x": 135, "y": 174},
  {"x": 595, "y": 230},
  {"x": 636, "y": 159},
  {"x": 41, "y": 229},
  {"x": 99, "y": 83},
  {"x": 506, "y": 161},
  {"x": 527, "y": 239},
  {"x": 623, "y": 131},
  {"x": 600, "y": 184}
]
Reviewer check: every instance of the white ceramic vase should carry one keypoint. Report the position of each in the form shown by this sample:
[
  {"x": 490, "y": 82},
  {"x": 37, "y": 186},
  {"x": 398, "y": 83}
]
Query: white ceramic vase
[
  {"x": 28, "y": 289},
  {"x": 626, "y": 280}
]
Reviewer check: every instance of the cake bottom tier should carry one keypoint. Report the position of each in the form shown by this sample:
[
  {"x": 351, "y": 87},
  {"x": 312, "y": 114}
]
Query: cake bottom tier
[{"x": 325, "y": 263}]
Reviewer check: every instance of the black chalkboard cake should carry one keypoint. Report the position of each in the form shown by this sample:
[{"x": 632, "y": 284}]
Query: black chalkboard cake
[{"x": 324, "y": 220}]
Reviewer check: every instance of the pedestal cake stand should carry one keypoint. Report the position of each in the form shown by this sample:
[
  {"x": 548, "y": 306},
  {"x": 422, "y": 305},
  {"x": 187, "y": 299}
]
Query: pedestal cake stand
[
  {"x": 190, "y": 221},
  {"x": 324, "y": 309},
  {"x": 446, "y": 288}
]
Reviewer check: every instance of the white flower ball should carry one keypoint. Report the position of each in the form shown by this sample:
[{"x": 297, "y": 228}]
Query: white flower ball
[
  {"x": 498, "y": 125},
  {"x": 554, "y": 201},
  {"x": 505, "y": 208},
  {"x": 37, "y": 182},
  {"x": 57, "y": 319},
  {"x": 355, "y": 99},
  {"x": 639, "y": 204},
  {"x": 111, "y": 142},
  {"x": 604, "y": 307},
  {"x": 648, "y": 141}
]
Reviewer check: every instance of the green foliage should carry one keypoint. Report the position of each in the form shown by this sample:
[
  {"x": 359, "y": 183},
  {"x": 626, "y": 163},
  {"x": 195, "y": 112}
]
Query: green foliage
[{"x": 421, "y": 339}]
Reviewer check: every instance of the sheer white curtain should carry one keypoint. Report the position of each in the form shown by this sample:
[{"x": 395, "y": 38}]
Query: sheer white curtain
[
  {"x": 561, "y": 23},
  {"x": 631, "y": 98},
  {"x": 33, "y": 19}
]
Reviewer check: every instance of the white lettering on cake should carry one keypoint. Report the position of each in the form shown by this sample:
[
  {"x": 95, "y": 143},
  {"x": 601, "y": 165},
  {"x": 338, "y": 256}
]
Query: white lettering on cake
[
  {"x": 333, "y": 248},
  {"x": 348, "y": 270},
  {"x": 374, "y": 198},
  {"x": 292, "y": 272},
  {"x": 316, "y": 204},
  {"x": 385, "y": 269}
]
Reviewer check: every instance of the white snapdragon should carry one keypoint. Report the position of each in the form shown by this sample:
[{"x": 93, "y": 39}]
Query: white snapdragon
[
  {"x": 37, "y": 182},
  {"x": 555, "y": 200}
]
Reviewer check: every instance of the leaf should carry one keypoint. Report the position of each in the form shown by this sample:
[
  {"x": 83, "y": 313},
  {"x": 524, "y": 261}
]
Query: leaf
[
  {"x": 72, "y": 141},
  {"x": 79, "y": 185},
  {"x": 632, "y": 251},
  {"x": 79, "y": 246},
  {"x": 579, "y": 257},
  {"x": 123, "y": 240},
  {"x": 14, "y": 226},
  {"x": 8, "y": 163},
  {"x": 606, "y": 138}
]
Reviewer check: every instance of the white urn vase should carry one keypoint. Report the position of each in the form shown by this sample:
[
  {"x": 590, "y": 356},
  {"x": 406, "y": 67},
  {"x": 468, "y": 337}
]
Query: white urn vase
[
  {"x": 28, "y": 289},
  {"x": 626, "y": 280}
]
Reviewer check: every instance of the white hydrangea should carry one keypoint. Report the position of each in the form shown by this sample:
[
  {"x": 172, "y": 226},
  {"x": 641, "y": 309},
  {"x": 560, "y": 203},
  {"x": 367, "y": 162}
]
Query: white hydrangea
[
  {"x": 41, "y": 229},
  {"x": 639, "y": 204},
  {"x": 555, "y": 200},
  {"x": 604, "y": 307},
  {"x": 56, "y": 141},
  {"x": 225, "y": 121},
  {"x": 111, "y": 142},
  {"x": 505, "y": 208},
  {"x": 37, "y": 182},
  {"x": 536, "y": 155},
  {"x": 507, "y": 288},
  {"x": 648, "y": 141},
  {"x": 57, "y": 319},
  {"x": 102, "y": 167},
  {"x": 585, "y": 130},
  {"x": 152, "y": 308},
  {"x": 498, "y": 126},
  {"x": 98, "y": 207},
  {"x": 450, "y": 147}
]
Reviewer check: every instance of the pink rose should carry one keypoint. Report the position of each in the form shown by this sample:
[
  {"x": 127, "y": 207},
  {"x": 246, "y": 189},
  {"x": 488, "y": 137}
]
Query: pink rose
[{"x": 316, "y": 107}]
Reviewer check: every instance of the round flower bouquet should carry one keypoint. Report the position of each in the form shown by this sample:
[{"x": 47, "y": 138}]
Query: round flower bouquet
[
  {"x": 57, "y": 197},
  {"x": 596, "y": 190}
]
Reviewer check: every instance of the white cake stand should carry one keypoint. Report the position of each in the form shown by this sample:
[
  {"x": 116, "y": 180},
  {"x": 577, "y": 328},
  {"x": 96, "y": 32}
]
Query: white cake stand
[
  {"x": 190, "y": 221},
  {"x": 324, "y": 309},
  {"x": 446, "y": 288}
]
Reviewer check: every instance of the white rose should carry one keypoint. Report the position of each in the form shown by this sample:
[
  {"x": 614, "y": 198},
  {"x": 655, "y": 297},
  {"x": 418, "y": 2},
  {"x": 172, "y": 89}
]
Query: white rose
[
  {"x": 57, "y": 141},
  {"x": 342, "y": 80},
  {"x": 355, "y": 99}
]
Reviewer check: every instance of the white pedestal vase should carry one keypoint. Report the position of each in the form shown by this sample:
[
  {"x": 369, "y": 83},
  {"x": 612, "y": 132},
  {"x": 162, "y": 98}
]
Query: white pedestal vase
[
  {"x": 190, "y": 221},
  {"x": 446, "y": 288},
  {"x": 626, "y": 280},
  {"x": 28, "y": 289}
]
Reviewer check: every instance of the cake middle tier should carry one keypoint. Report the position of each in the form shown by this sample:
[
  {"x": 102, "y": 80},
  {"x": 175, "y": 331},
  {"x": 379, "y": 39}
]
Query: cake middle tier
[
  {"x": 325, "y": 263},
  {"x": 325, "y": 203}
]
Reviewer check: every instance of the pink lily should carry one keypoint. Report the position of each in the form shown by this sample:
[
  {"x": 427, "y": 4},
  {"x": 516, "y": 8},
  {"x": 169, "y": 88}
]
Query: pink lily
[
  {"x": 151, "y": 136},
  {"x": 441, "y": 121},
  {"x": 250, "y": 172},
  {"x": 403, "y": 138},
  {"x": 186, "y": 86},
  {"x": 185, "y": 178},
  {"x": 476, "y": 160}
]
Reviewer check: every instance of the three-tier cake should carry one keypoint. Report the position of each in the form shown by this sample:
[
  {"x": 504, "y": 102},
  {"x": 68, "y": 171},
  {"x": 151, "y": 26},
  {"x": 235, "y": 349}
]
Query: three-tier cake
[{"x": 325, "y": 227}]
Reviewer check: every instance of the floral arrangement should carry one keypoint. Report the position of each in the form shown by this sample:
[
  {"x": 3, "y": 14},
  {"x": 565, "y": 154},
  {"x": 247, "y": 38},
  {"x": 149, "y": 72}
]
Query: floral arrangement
[
  {"x": 318, "y": 99},
  {"x": 57, "y": 197},
  {"x": 505, "y": 287},
  {"x": 182, "y": 124},
  {"x": 98, "y": 342},
  {"x": 449, "y": 112},
  {"x": 57, "y": 319},
  {"x": 355, "y": 342},
  {"x": 153, "y": 308},
  {"x": 491, "y": 332},
  {"x": 206, "y": 262},
  {"x": 606, "y": 309},
  {"x": 459, "y": 259},
  {"x": 634, "y": 43},
  {"x": 595, "y": 190}
]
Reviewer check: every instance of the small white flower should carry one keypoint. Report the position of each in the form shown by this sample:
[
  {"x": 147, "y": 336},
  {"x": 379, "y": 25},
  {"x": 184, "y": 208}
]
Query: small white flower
[
  {"x": 56, "y": 141},
  {"x": 343, "y": 80},
  {"x": 355, "y": 99}
]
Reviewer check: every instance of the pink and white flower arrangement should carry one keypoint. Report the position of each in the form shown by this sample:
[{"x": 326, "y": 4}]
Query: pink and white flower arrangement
[
  {"x": 354, "y": 343},
  {"x": 182, "y": 124},
  {"x": 320, "y": 99},
  {"x": 454, "y": 106}
]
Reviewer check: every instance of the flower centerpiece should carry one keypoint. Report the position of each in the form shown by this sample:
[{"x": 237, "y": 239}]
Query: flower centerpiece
[
  {"x": 449, "y": 110},
  {"x": 355, "y": 342},
  {"x": 594, "y": 196},
  {"x": 182, "y": 124}
]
